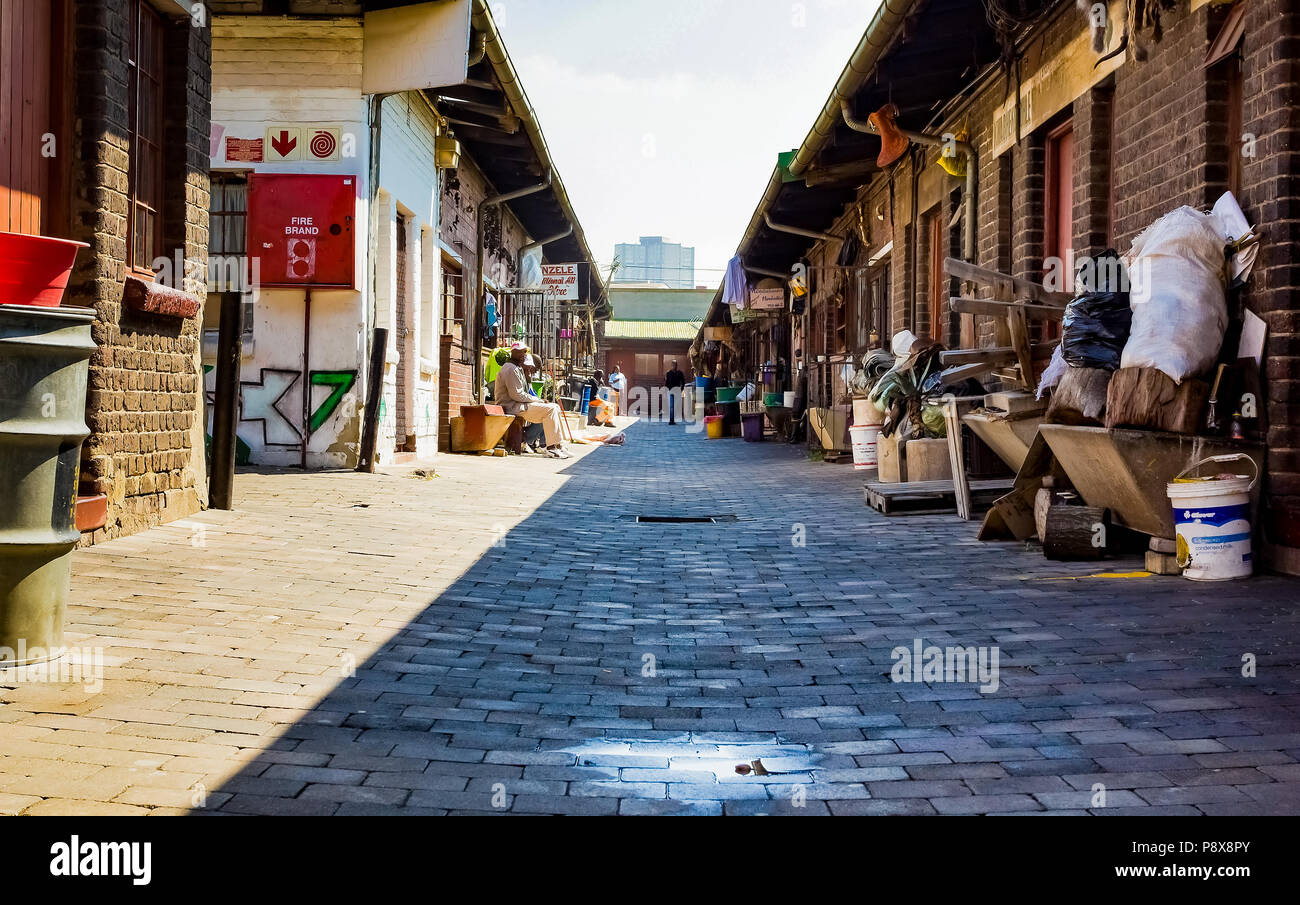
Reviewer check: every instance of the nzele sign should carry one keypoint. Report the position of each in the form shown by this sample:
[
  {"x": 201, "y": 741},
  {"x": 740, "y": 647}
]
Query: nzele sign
[
  {"x": 767, "y": 299},
  {"x": 301, "y": 227},
  {"x": 560, "y": 281}
]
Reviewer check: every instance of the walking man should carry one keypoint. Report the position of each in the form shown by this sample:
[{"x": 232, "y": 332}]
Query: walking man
[{"x": 674, "y": 380}]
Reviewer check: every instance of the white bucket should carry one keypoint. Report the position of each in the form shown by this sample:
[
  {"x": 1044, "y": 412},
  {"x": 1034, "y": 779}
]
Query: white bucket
[
  {"x": 788, "y": 399},
  {"x": 865, "y": 413},
  {"x": 865, "y": 439},
  {"x": 1212, "y": 522}
]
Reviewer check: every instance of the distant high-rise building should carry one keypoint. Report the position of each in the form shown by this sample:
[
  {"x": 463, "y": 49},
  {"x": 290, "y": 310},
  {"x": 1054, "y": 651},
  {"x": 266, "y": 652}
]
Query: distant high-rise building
[{"x": 653, "y": 260}]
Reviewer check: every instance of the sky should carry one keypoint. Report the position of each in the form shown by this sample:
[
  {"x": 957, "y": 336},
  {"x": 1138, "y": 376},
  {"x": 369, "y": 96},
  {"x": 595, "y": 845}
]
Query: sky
[{"x": 664, "y": 117}]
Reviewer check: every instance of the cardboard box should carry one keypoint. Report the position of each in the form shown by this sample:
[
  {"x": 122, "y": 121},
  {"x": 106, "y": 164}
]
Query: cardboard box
[
  {"x": 928, "y": 460},
  {"x": 893, "y": 467}
]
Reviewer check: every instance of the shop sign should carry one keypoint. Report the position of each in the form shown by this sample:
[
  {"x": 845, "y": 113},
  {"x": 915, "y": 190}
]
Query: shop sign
[
  {"x": 560, "y": 281},
  {"x": 767, "y": 299}
]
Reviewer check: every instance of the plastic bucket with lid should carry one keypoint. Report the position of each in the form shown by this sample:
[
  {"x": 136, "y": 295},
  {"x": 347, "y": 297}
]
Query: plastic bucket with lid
[
  {"x": 713, "y": 427},
  {"x": 1212, "y": 521},
  {"x": 788, "y": 399},
  {"x": 865, "y": 438}
]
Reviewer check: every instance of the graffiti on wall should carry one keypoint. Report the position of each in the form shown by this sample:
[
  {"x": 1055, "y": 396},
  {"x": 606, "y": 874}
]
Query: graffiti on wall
[
  {"x": 262, "y": 401},
  {"x": 338, "y": 382}
]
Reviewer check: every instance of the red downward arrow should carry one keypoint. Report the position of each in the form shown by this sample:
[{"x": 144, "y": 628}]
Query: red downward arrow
[{"x": 283, "y": 144}]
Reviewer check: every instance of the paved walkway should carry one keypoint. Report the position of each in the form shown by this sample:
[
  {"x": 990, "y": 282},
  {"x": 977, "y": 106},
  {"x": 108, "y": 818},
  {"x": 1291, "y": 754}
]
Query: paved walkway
[{"x": 347, "y": 644}]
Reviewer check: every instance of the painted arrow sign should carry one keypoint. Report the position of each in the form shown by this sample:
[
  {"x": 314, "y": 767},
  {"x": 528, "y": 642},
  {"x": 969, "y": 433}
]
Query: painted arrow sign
[{"x": 283, "y": 143}]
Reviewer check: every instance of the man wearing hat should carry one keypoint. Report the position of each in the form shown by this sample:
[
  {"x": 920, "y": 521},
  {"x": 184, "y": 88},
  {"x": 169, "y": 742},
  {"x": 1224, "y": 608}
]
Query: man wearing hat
[{"x": 511, "y": 393}]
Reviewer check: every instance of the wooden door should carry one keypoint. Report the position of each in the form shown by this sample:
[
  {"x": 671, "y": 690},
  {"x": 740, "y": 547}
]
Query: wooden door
[{"x": 26, "y": 74}]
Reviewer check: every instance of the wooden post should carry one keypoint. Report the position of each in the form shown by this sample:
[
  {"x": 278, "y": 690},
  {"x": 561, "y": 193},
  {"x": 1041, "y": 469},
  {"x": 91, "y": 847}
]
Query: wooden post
[{"x": 960, "y": 484}]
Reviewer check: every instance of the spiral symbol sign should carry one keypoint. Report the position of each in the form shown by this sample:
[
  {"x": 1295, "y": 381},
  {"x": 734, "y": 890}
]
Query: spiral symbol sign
[{"x": 323, "y": 144}]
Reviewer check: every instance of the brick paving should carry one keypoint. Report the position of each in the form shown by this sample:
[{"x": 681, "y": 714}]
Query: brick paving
[{"x": 348, "y": 644}]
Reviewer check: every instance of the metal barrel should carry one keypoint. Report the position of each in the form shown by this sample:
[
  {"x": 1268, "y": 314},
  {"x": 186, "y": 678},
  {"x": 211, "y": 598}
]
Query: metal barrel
[{"x": 44, "y": 363}]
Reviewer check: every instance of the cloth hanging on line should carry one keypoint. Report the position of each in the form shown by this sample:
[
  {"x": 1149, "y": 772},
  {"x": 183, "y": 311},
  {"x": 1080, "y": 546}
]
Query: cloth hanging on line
[{"x": 735, "y": 289}]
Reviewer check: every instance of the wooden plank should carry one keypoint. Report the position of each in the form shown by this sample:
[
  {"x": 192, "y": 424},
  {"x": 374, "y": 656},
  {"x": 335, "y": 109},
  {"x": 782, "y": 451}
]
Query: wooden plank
[
  {"x": 1018, "y": 323},
  {"x": 995, "y": 355},
  {"x": 928, "y": 497},
  {"x": 952, "y": 420},
  {"x": 990, "y": 356},
  {"x": 964, "y": 271},
  {"x": 995, "y": 308}
]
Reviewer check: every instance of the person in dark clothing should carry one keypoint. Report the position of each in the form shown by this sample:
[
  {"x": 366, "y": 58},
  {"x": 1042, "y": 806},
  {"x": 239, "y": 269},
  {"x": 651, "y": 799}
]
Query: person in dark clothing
[
  {"x": 674, "y": 380},
  {"x": 593, "y": 384}
]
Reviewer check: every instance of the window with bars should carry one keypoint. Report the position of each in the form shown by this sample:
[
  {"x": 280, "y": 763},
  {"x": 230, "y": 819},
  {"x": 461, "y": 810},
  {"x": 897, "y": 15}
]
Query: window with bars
[
  {"x": 145, "y": 118},
  {"x": 228, "y": 274}
]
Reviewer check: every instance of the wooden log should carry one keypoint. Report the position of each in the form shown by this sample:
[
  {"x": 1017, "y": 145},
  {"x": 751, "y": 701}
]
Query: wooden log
[
  {"x": 1147, "y": 398},
  {"x": 1076, "y": 532},
  {"x": 1080, "y": 397},
  {"x": 964, "y": 271},
  {"x": 994, "y": 308}
]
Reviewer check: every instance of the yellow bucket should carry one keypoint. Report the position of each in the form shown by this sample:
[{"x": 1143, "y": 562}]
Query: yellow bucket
[{"x": 713, "y": 427}]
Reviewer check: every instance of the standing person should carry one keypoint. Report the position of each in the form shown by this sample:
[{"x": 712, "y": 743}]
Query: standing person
[
  {"x": 512, "y": 394},
  {"x": 674, "y": 380},
  {"x": 618, "y": 380}
]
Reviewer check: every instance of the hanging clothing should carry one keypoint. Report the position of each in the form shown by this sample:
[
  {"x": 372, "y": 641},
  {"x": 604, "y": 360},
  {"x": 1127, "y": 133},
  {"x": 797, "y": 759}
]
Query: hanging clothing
[{"x": 735, "y": 290}]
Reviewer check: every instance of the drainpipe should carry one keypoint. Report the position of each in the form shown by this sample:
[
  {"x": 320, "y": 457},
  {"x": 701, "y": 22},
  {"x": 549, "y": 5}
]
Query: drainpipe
[
  {"x": 479, "y": 52},
  {"x": 972, "y": 172},
  {"x": 370, "y": 419},
  {"x": 480, "y": 291},
  {"x": 796, "y": 231},
  {"x": 540, "y": 242}
]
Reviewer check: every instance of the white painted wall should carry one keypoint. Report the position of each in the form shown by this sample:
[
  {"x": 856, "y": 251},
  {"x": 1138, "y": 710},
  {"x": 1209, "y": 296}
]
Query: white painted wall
[{"x": 270, "y": 72}]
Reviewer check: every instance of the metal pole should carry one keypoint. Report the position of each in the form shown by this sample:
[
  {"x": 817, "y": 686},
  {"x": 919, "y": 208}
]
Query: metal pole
[
  {"x": 374, "y": 390},
  {"x": 225, "y": 408},
  {"x": 306, "y": 374}
]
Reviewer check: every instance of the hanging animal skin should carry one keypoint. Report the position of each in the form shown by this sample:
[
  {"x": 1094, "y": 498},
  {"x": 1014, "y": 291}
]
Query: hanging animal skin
[{"x": 893, "y": 143}]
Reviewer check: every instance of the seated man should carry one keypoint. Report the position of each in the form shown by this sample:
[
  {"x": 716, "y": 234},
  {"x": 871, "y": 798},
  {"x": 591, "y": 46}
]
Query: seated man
[{"x": 512, "y": 394}]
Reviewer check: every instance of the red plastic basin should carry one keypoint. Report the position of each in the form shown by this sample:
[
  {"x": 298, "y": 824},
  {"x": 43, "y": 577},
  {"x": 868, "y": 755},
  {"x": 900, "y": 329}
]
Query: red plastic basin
[{"x": 34, "y": 270}]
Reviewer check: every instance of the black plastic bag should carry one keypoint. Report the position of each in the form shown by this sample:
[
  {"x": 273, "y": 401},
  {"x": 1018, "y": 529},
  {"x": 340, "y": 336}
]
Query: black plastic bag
[{"x": 1095, "y": 329}]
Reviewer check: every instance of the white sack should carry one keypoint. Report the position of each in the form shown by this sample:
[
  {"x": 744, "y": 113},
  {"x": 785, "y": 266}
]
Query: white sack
[{"x": 1176, "y": 270}]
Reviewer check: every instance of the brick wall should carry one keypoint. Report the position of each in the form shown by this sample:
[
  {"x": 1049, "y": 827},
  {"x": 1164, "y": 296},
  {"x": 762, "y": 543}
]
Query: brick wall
[
  {"x": 1271, "y": 200},
  {"x": 144, "y": 407},
  {"x": 455, "y": 388}
]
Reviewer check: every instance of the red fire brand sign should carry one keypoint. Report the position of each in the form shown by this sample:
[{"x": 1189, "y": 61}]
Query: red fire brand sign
[{"x": 301, "y": 227}]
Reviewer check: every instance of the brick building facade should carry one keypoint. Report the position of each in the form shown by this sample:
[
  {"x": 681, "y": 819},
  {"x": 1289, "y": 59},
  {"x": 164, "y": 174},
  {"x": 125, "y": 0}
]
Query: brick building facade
[
  {"x": 1142, "y": 137},
  {"x": 462, "y": 193},
  {"x": 127, "y": 83}
]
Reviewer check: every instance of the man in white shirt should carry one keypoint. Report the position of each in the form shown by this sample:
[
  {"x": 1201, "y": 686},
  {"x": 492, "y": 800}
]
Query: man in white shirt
[
  {"x": 511, "y": 393},
  {"x": 618, "y": 381}
]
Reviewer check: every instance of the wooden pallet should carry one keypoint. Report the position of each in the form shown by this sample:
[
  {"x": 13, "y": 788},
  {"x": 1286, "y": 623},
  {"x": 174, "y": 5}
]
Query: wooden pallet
[{"x": 929, "y": 497}]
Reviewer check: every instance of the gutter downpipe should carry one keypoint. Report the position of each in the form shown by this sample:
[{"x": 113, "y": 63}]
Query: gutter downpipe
[
  {"x": 540, "y": 242},
  {"x": 875, "y": 40},
  {"x": 796, "y": 231},
  {"x": 480, "y": 289},
  {"x": 370, "y": 417},
  {"x": 972, "y": 172}
]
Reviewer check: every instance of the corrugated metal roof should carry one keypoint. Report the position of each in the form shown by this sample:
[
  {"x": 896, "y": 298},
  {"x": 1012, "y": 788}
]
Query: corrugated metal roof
[{"x": 676, "y": 330}]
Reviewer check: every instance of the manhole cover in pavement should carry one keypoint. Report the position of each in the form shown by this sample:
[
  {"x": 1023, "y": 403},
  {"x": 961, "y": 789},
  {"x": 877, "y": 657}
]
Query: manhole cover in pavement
[{"x": 684, "y": 519}]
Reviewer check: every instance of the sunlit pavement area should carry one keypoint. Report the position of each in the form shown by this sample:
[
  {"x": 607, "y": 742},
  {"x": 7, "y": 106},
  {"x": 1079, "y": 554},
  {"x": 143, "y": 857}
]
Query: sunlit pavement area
[{"x": 505, "y": 637}]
